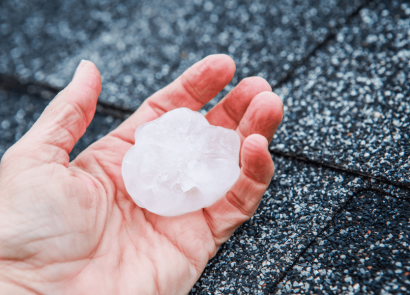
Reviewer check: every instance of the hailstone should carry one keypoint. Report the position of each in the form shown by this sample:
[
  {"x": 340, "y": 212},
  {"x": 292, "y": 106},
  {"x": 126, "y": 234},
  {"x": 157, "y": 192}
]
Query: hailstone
[{"x": 180, "y": 163}]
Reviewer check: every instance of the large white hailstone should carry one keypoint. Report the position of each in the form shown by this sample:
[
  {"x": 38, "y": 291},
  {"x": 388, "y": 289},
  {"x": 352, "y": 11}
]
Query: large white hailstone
[{"x": 180, "y": 163}]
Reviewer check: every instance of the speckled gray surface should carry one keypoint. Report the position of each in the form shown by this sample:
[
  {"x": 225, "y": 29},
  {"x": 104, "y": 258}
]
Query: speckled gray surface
[
  {"x": 142, "y": 46},
  {"x": 350, "y": 105},
  {"x": 346, "y": 106},
  {"x": 300, "y": 201},
  {"x": 366, "y": 250},
  {"x": 19, "y": 111}
]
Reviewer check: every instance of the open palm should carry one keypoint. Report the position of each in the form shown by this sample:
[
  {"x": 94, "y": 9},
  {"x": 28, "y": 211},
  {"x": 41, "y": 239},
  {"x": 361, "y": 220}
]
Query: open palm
[{"x": 72, "y": 228}]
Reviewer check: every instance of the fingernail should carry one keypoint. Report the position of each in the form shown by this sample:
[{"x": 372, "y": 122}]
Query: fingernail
[{"x": 82, "y": 62}]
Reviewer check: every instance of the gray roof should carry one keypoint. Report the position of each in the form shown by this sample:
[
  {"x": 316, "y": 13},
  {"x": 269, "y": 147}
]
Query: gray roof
[{"x": 334, "y": 218}]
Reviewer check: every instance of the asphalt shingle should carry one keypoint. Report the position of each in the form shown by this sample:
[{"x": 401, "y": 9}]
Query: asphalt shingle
[
  {"x": 317, "y": 229},
  {"x": 350, "y": 105},
  {"x": 18, "y": 112},
  {"x": 297, "y": 207},
  {"x": 366, "y": 250},
  {"x": 142, "y": 46}
]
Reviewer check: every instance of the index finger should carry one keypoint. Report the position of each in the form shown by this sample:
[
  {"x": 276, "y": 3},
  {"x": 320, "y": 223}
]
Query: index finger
[{"x": 194, "y": 88}]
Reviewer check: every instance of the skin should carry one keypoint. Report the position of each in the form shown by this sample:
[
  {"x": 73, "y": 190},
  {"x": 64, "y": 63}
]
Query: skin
[{"x": 71, "y": 227}]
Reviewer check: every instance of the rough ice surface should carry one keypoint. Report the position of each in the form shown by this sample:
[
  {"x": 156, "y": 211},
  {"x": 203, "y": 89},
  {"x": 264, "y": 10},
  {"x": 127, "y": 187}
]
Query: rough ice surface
[{"x": 180, "y": 163}]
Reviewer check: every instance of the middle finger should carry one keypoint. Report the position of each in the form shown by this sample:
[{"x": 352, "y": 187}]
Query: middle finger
[{"x": 230, "y": 110}]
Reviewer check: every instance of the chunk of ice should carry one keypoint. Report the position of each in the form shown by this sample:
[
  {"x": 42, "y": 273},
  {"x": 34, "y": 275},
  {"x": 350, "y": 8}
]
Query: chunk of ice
[{"x": 180, "y": 163}]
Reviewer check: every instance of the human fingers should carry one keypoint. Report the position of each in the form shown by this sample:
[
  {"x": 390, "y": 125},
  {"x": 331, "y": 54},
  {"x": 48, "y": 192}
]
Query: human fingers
[
  {"x": 263, "y": 116},
  {"x": 230, "y": 110},
  {"x": 241, "y": 201},
  {"x": 64, "y": 120},
  {"x": 195, "y": 87}
]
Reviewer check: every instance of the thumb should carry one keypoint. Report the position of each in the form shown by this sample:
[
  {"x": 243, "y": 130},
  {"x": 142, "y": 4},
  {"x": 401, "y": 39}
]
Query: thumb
[{"x": 64, "y": 120}]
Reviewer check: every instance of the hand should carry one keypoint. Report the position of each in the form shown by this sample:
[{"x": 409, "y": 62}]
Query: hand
[{"x": 71, "y": 227}]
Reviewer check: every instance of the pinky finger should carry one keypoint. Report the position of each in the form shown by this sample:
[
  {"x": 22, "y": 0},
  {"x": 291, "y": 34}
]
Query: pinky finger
[{"x": 242, "y": 200}]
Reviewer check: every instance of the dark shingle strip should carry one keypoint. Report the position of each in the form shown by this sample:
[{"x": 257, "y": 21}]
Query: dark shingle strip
[{"x": 366, "y": 250}]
